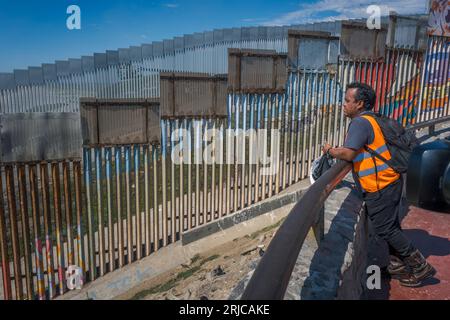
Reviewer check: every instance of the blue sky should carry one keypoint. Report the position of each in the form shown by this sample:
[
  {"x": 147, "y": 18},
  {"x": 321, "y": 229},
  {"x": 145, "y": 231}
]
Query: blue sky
[{"x": 35, "y": 32}]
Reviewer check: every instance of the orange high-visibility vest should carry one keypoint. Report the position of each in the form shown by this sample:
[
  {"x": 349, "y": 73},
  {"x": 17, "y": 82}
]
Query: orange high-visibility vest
[{"x": 373, "y": 173}]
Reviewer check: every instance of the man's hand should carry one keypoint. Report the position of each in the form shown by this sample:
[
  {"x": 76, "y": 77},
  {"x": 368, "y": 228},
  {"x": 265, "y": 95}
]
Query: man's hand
[{"x": 326, "y": 147}]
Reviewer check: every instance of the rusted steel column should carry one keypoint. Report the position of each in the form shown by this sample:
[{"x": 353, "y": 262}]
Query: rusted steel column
[
  {"x": 228, "y": 152},
  {"x": 189, "y": 172},
  {"x": 206, "y": 214},
  {"x": 14, "y": 231},
  {"x": 243, "y": 144},
  {"x": 292, "y": 108},
  {"x": 68, "y": 212},
  {"x": 79, "y": 213},
  {"x": 47, "y": 229},
  {"x": 236, "y": 148},
  {"x": 220, "y": 204},
  {"x": 264, "y": 138},
  {"x": 155, "y": 199},
  {"x": 138, "y": 227},
  {"x": 182, "y": 224},
  {"x": 213, "y": 175},
  {"x": 128, "y": 202},
  {"x": 120, "y": 234},
  {"x": 7, "y": 293},
  {"x": 25, "y": 231},
  {"x": 273, "y": 107},
  {"x": 165, "y": 222},
  {"x": 173, "y": 209},
  {"x": 111, "y": 242},
  {"x": 37, "y": 232},
  {"x": 251, "y": 150},
  {"x": 197, "y": 143},
  {"x": 100, "y": 229},
  {"x": 58, "y": 225},
  {"x": 258, "y": 146},
  {"x": 147, "y": 233},
  {"x": 91, "y": 243}
]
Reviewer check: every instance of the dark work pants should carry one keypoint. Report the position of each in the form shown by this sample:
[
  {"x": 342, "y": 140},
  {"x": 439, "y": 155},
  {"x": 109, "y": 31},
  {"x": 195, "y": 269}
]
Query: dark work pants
[{"x": 383, "y": 208}]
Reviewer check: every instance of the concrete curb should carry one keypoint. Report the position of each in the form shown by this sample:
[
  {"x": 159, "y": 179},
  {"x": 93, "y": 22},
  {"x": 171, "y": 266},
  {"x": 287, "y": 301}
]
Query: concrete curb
[{"x": 246, "y": 214}]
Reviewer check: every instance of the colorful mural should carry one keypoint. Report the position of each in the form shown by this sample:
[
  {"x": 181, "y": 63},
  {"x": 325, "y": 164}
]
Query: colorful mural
[{"x": 439, "y": 18}]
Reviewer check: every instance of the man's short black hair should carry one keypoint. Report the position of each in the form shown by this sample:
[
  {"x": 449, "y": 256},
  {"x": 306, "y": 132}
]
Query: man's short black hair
[{"x": 364, "y": 93}]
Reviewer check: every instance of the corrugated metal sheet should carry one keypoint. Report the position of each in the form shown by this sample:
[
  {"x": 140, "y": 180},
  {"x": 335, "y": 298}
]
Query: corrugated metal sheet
[
  {"x": 29, "y": 137},
  {"x": 193, "y": 95},
  {"x": 312, "y": 49},
  {"x": 120, "y": 121},
  {"x": 120, "y": 79},
  {"x": 359, "y": 41},
  {"x": 407, "y": 32},
  {"x": 256, "y": 71}
]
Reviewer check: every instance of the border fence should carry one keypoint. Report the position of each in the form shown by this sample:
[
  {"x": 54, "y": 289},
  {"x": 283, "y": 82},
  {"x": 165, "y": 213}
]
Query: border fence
[{"x": 124, "y": 199}]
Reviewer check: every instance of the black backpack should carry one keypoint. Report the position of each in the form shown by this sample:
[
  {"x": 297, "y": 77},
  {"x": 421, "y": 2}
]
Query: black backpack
[{"x": 399, "y": 141}]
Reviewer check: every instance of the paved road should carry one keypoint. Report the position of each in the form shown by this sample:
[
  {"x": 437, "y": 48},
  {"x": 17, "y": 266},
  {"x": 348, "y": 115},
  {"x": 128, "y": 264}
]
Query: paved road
[{"x": 430, "y": 233}]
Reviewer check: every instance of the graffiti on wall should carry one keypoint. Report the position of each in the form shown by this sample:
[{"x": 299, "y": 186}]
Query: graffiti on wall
[{"x": 439, "y": 18}]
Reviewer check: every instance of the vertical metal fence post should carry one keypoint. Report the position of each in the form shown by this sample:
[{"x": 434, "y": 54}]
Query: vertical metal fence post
[{"x": 6, "y": 277}]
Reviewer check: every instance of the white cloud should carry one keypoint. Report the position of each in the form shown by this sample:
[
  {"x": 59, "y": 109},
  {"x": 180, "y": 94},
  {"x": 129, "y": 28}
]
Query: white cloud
[
  {"x": 345, "y": 9},
  {"x": 171, "y": 5}
]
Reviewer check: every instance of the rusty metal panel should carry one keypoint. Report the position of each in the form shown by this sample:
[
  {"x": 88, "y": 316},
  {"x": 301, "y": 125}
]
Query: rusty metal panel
[
  {"x": 88, "y": 116},
  {"x": 359, "y": 41},
  {"x": 28, "y": 137},
  {"x": 122, "y": 124},
  {"x": 256, "y": 71},
  {"x": 167, "y": 95},
  {"x": 153, "y": 124},
  {"x": 119, "y": 121},
  {"x": 407, "y": 32},
  {"x": 221, "y": 96},
  {"x": 193, "y": 95},
  {"x": 312, "y": 49}
]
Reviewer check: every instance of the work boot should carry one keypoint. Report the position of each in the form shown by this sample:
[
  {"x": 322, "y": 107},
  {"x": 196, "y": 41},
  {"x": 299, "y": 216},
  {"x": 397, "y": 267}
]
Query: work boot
[
  {"x": 419, "y": 270},
  {"x": 397, "y": 269}
]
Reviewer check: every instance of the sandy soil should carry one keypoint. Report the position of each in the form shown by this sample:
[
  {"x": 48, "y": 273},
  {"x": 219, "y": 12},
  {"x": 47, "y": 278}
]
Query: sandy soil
[{"x": 211, "y": 276}]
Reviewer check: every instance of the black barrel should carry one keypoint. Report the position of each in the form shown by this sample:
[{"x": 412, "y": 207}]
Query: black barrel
[{"x": 426, "y": 180}]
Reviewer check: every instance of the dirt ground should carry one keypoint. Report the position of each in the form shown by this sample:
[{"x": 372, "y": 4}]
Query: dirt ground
[{"x": 211, "y": 276}]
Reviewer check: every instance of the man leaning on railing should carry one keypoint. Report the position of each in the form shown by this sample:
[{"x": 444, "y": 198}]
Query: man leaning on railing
[{"x": 380, "y": 185}]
